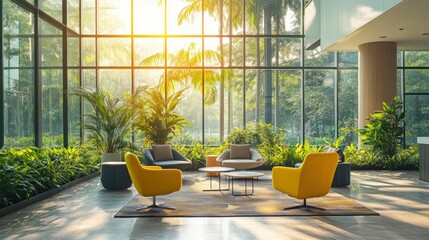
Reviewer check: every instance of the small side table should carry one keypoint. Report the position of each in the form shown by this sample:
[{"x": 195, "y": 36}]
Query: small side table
[
  {"x": 115, "y": 176},
  {"x": 211, "y": 162},
  {"x": 342, "y": 175},
  {"x": 216, "y": 169},
  {"x": 246, "y": 176}
]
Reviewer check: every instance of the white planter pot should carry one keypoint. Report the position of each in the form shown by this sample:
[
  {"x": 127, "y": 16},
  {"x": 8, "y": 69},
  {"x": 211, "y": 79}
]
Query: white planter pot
[{"x": 111, "y": 157}]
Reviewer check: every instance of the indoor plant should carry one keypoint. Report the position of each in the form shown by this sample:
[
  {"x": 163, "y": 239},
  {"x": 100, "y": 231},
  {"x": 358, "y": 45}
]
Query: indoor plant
[
  {"x": 110, "y": 122},
  {"x": 156, "y": 115},
  {"x": 385, "y": 131}
]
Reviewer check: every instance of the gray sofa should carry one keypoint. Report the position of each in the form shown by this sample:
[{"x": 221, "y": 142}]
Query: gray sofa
[
  {"x": 179, "y": 161},
  {"x": 254, "y": 161}
]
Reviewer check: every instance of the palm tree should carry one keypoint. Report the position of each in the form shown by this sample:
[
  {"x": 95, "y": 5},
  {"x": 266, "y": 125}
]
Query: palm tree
[
  {"x": 255, "y": 10},
  {"x": 188, "y": 57}
]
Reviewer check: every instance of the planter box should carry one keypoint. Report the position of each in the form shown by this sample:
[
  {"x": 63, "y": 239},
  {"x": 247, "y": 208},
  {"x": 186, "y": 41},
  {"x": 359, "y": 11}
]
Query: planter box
[{"x": 42, "y": 196}]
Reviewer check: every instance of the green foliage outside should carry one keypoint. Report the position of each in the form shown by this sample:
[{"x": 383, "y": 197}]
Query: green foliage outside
[{"x": 27, "y": 172}]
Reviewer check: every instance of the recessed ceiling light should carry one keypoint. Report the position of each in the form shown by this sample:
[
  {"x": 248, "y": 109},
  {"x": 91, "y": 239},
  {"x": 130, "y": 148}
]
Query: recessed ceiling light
[
  {"x": 425, "y": 34},
  {"x": 383, "y": 37}
]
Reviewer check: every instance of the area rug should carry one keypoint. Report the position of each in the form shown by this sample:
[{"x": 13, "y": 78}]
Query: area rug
[{"x": 192, "y": 201}]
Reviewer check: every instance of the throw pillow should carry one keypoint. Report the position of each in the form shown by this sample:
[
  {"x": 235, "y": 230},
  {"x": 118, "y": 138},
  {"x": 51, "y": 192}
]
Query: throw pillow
[
  {"x": 162, "y": 152},
  {"x": 337, "y": 150},
  {"x": 240, "y": 151}
]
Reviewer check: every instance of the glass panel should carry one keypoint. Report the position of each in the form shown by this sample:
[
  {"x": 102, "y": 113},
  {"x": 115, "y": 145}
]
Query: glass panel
[
  {"x": 288, "y": 105},
  {"x": 234, "y": 106},
  {"x": 417, "y": 59},
  {"x": 184, "y": 52},
  {"x": 114, "y": 17},
  {"x": 88, "y": 17},
  {"x": 51, "y": 45},
  {"x": 73, "y": 14},
  {"x": 52, "y": 84},
  {"x": 416, "y": 118},
  {"x": 18, "y": 76},
  {"x": 211, "y": 19},
  {"x": 149, "y": 52},
  {"x": 289, "y": 52},
  {"x": 179, "y": 23},
  {"x": 212, "y": 53},
  {"x": 18, "y": 107},
  {"x": 52, "y": 7},
  {"x": 348, "y": 105},
  {"x": 233, "y": 17},
  {"x": 149, "y": 17},
  {"x": 148, "y": 77},
  {"x": 88, "y": 82},
  {"x": 319, "y": 106},
  {"x": 211, "y": 111},
  {"x": 88, "y": 51},
  {"x": 236, "y": 56},
  {"x": 191, "y": 109},
  {"x": 73, "y": 108},
  {"x": 52, "y": 107},
  {"x": 89, "y": 78},
  {"x": 251, "y": 91},
  {"x": 114, "y": 52},
  {"x": 291, "y": 18},
  {"x": 417, "y": 80},
  {"x": 317, "y": 58},
  {"x": 348, "y": 59},
  {"x": 116, "y": 81},
  {"x": 254, "y": 52},
  {"x": 73, "y": 51},
  {"x": 18, "y": 42}
]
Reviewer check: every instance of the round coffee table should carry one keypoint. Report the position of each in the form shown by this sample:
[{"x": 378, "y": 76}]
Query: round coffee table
[
  {"x": 218, "y": 170},
  {"x": 246, "y": 176}
]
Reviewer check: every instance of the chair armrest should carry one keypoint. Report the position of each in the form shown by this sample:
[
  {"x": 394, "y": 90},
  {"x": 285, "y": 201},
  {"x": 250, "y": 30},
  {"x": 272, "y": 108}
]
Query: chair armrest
[
  {"x": 256, "y": 156},
  {"x": 148, "y": 157},
  {"x": 224, "y": 155},
  {"x": 179, "y": 156},
  {"x": 286, "y": 179}
]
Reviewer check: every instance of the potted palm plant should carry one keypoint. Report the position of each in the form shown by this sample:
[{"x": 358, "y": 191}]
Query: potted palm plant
[
  {"x": 156, "y": 116},
  {"x": 110, "y": 123}
]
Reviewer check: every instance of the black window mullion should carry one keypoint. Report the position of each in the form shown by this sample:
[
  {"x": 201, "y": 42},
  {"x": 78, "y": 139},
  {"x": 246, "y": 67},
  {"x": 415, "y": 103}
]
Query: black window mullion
[
  {"x": 65, "y": 78},
  {"x": 2, "y": 81}
]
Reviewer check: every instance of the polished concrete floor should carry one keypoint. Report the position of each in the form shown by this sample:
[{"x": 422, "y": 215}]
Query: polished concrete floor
[{"x": 86, "y": 212}]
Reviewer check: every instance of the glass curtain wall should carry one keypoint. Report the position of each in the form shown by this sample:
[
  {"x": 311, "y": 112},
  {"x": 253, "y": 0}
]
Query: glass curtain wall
[
  {"x": 241, "y": 62},
  {"x": 36, "y": 71}
]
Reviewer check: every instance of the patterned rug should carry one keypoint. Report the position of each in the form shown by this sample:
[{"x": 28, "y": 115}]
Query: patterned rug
[{"x": 192, "y": 201}]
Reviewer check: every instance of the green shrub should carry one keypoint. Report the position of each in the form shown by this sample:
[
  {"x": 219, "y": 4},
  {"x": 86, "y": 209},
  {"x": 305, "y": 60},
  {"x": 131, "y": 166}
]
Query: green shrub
[
  {"x": 27, "y": 172},
  {"x": 405, "y": 159}
]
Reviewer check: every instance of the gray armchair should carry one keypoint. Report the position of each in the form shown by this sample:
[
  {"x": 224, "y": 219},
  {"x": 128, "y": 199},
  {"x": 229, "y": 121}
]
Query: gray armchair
[
  {"x": 179, "y": 161},
  {"x": 254, "y": 161}
]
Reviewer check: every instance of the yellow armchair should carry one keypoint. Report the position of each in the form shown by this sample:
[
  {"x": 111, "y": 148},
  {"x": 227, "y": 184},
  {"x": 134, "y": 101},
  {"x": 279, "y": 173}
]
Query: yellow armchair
[
  {"x": 312, "y": 179},
  {"x": 151, "y": 181}
]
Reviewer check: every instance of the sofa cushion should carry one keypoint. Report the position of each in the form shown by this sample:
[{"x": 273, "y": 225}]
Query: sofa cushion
[
  {"x": 240, "y": 151},
  {"x": 162, "y": 152}
]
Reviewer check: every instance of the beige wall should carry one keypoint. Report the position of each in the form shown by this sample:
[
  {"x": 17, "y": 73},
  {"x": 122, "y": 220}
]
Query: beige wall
[{"x": 377, "y": 77}]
